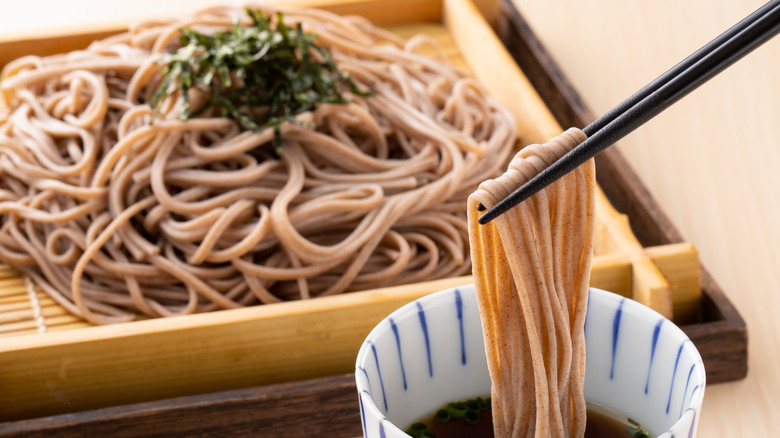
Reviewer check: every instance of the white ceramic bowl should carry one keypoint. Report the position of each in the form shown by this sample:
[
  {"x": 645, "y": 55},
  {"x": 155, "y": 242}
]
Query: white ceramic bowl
[{"x": 431, "y": 352}]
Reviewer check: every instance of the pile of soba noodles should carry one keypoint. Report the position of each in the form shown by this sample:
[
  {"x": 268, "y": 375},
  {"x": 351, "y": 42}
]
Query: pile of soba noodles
[{"x": 115, "y": 208}]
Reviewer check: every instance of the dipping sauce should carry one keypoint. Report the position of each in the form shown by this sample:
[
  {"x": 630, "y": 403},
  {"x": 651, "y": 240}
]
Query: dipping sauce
[{"x": 473, "y": 419}]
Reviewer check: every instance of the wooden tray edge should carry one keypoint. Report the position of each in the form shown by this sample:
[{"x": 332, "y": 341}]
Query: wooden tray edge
[{"x": 326, "y": 406}]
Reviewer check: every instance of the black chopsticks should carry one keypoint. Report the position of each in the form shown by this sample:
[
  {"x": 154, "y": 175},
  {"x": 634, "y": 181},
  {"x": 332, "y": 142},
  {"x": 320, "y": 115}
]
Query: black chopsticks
[{"x": 661, "y": 93}]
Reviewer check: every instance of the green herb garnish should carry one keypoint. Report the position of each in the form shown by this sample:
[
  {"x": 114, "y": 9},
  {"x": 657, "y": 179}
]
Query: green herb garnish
[
  {"x": 260, "y": 75},
  {"x": 468, "y": 412},
  {"x": 420, "y": 430},
  {"x": 636, "y": 430}
]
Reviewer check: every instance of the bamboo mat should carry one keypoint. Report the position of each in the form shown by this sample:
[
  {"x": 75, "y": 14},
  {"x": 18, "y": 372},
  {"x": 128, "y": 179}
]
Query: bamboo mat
[{"x": 26, "y": 309}]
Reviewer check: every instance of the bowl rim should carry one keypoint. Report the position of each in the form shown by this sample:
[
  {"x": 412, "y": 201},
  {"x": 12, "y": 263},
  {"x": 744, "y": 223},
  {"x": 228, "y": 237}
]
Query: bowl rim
[{"x": 365, "y": 350}]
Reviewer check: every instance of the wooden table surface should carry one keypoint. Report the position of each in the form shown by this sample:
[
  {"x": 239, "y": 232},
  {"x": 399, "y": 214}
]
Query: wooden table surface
[{"x": 712, "y": 161}]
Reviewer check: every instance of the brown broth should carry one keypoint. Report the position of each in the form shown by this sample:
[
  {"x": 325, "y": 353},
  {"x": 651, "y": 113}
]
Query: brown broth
[
  {"x": 601, "y": 423},
  {"x": 606, "y": 423}
]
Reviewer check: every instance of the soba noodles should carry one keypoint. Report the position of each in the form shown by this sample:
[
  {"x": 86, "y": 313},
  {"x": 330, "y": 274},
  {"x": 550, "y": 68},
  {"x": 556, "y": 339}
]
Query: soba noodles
[
  {"x": 531, "y": 268},
  {"x": 116, "y": 209}
]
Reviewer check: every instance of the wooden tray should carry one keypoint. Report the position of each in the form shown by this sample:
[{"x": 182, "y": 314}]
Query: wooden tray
[{"x": 88, "y": 369}]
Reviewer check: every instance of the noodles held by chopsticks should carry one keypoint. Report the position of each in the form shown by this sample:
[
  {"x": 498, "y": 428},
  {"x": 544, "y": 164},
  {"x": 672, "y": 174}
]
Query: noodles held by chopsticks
[
  {"x": 114, "y": 208},
  {"x": 531, "y": 269}
]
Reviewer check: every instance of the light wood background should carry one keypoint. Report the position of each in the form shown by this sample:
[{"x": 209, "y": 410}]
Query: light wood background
[{"x": 712, "y": 161}]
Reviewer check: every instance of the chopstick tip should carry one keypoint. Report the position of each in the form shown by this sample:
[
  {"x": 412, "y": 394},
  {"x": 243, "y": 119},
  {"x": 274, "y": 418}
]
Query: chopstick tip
[{"x": 488, "y": 216}]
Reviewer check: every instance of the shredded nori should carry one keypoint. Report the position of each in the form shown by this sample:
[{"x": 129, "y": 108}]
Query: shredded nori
[{"x": 260, "y": 75}]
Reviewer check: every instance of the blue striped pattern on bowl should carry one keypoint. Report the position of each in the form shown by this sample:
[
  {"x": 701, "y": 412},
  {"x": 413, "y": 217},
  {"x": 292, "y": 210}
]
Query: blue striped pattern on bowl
[{"x": 431, "y": 352}]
